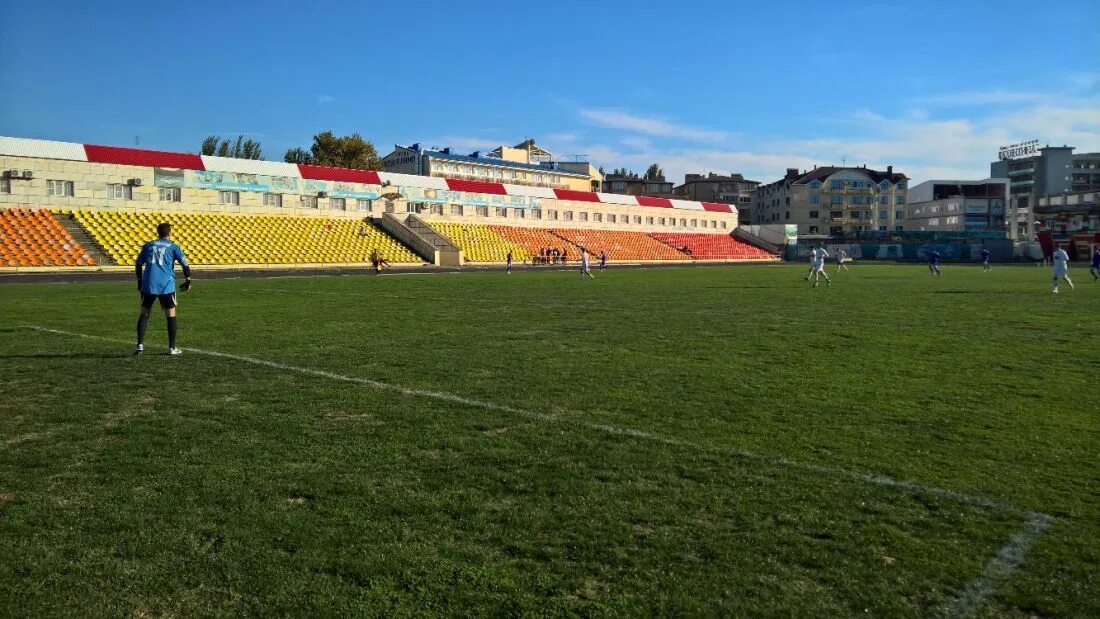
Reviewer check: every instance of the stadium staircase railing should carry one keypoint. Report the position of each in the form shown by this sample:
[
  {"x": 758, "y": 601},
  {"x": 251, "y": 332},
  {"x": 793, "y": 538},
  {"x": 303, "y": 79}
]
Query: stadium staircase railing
[
  {"x": 752, "y": 239},
  {"x": 416, "y": 234}
]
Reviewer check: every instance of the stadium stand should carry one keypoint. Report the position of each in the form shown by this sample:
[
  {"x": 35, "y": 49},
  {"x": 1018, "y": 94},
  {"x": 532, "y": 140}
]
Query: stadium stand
[
  {"x": 34, "y": 238},
  {"x": 712, "y": 246},
  {"x": 480, "y": 243},
  {"x": 214, "y": 239},
  {"x": 534, "y": 240},
  {"x": 620, "y": 245}
]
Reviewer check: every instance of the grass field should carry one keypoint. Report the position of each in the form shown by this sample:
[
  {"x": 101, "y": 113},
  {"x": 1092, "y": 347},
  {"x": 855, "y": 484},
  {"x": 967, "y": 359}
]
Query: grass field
[{"x": 721, "y": 441}]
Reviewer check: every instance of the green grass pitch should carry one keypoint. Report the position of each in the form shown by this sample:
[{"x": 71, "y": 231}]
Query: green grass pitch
[{"x": 676, "y": 441}]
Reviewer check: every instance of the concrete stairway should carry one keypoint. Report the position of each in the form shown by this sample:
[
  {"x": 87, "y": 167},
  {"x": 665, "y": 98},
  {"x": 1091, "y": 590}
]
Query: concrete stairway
[{"x": 80, "y": 235}]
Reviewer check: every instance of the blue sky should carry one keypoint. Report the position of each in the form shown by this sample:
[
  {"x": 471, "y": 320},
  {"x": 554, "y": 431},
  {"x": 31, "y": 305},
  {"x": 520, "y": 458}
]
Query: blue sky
[{"x": 931, "y": 87}]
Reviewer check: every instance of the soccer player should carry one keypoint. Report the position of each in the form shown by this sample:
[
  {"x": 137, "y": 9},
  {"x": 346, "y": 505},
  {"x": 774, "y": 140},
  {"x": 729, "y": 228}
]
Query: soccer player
[
  {"x": 840, "y": 256},
  {"x": 157, "y": 282},
  {"x": 818, "y": 266},
  {"x": 813, "y": 263},
  {"x": 585, "y": 269},
  {"x": 508, "y": 269},
  {"x": 603, "y": 259},
  {"x": 985, "y": 260},
  {"x": 1061, "y": 269},
  {"x": 934, "y": 263},
  {"x": 1095, "y": 268}
]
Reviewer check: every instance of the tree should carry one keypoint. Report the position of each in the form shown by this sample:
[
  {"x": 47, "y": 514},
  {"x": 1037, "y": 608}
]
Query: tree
[
  {"x": 241, "y": 149},
  {"x": 624, "y": 173},
  {"x": 655, "y": 173},
  {"x": 349, "y": 151},
  {"x": 297, "y": 155}
]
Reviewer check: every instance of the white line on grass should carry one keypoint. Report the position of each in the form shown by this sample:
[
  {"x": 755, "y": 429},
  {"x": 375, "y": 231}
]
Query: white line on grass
[{"x": 973, "y": 597}]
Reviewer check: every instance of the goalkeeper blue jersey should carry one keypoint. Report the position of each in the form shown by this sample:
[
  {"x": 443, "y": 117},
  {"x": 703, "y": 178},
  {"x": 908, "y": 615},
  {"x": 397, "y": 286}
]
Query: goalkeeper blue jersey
[{"x": 159, "y": 258}]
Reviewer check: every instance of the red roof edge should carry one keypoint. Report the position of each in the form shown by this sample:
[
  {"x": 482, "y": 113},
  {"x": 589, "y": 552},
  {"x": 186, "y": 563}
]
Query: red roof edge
[
  {"x": 579, "y": 196},
  {"x": 716, "y": 207},
  {"x": 649, "y": 201},
  {"x": 476, "y": 186},
  {"x": 342, "y": 175},
  {"x": 141, "y": 157}
]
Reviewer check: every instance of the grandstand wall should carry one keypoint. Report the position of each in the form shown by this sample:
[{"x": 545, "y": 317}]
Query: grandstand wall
[{"x": 75, "y": 176}]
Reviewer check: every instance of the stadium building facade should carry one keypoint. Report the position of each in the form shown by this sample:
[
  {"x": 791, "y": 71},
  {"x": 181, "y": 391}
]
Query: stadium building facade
[
  {"x": 114, "y": 193},
  {"x": 1035, "y": 173},
  {"x": 834, "y": 201}
]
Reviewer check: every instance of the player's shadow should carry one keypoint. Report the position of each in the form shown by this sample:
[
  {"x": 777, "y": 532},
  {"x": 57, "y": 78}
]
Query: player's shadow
[{"x": 67, "y": 355}]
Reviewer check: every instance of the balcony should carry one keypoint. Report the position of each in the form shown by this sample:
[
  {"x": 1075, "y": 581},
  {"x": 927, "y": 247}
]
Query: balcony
[
  {"x": 1019, "y": 171},
  {"x": 496, "y": 179}
]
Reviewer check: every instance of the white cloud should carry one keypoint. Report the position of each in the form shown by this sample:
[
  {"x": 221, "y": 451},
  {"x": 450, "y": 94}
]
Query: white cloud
[
  {"x": 981, "y": 98},
  {"x": 619, "y": 119},
  {"x": 916, "y": 142}
]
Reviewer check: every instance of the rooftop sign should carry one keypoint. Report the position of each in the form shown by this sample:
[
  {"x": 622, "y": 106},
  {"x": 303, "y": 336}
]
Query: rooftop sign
[{"x": 1023, "y": 149}]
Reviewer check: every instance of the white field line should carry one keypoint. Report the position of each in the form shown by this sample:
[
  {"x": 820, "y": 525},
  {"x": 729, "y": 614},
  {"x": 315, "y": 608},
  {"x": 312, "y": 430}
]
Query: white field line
[
  {"x": 976, "y": 592},
  {"x": 1007, "y": 559}
]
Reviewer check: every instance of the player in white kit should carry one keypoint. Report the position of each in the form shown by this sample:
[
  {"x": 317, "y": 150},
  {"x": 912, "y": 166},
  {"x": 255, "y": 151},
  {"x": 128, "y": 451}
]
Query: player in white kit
[
  {"x": 840, "y": 256},
  {"x": 1061, "y": 269},
  {"x": 585, "y": 269},
  {"x": 818, "y": 266}
]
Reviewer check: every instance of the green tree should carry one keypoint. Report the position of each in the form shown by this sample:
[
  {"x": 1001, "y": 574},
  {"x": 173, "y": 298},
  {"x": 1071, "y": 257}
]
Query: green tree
[
  {"x": 624, "y": 173},
  {"x": 349, "y": 151},
  {"x": 655, "y": 173},
  {"x": 297, "y": 155},
  {"x": 240, "y": 149}
]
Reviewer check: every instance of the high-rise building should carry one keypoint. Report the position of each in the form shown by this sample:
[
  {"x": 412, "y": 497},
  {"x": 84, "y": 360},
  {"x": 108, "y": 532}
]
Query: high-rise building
[{"x": 1035, "y": 172}]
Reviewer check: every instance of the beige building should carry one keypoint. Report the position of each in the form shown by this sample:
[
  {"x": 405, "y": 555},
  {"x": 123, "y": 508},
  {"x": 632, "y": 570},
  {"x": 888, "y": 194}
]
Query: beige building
[
  {"x": 834, "y": 201},
  {"x": 523, "y": 164}
]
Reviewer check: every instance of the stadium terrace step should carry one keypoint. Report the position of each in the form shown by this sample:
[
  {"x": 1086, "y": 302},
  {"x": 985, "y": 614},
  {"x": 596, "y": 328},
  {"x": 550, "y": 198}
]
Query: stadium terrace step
[{"x": 83, "y": 237}]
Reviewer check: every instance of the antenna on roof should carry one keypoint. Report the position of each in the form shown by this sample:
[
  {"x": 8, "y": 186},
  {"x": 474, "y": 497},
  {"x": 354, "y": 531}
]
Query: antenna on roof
[{"x": 137, "y": 140}]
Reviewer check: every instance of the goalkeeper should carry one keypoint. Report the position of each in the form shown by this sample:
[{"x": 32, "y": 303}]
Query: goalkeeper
[{"x": 157, "y": 282}]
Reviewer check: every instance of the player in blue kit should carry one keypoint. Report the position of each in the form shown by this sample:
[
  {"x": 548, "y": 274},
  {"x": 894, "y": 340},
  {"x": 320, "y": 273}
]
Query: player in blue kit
[
  {"x": 1095, "y": 268},
  {"x": 985, "y": 259},
  {"x": 934, "y": 263},
  {"x": 155, "y": 267}
]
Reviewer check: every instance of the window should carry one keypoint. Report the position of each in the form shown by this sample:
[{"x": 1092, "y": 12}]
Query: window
[
  {"x": 568, "y": 216},
  {"x": 836, "y": 184},
  {"x": 899, "y": 200},
  {"x": 584, "y": 216},
  {"x": 169, "y": 194},
  {"x": 61, "y": 188},
  {"x": 683, "y": 223},
  {"x": 638, "y": 219},
  {"x": 787, "y": 215},
  {"x": 884, "y": 199},
  {"x": 723, "y": 225},
  {"x": 536, "y": 213},
  {"x": 671, "y": 222},
  {"x": 695, "y": 223},
  {"x": 815, "y": 184},
  {"x": 521, "y": 213},
  {"x": 501, "y": 211},
  {"x": 815, "y": 199},
  {"x": 311, "y": 202},
  {"x": 883, "y": 215},
  {"x": 836, "y": 199},
  {"x": 713, "y": 224},
  {"x": 900, "y": 185},
  {"x": 120, "y": 192},
  {"x": 813, "y": 229},
  {"x": 597, "y": 217},
  {"x": 234, "y": 197},
  {"x": 5, "y": 185},
  {"x": 273, "y": 199},
  {"x": 649, "y": 220},
  {"x": 482, "y": 211},
  {"x": 884, "y": 185},
  {"x": 339, "y": 204},
  {"x": 660, "y": 221},
  {"x": 551, "y": 214},
  {"x": 611, "y": 218},
  {"x": 836, "y": 213},
  {"x": 436, "y": 209},
  {"x": 456, "y": 209},
  {"x": 814, "y": 214},
  {"x": 618, "y": 185},
  {"x": 882, "y": 228},
  {"x": 364, "y": 205},
  {"x": 898, "y": 228}
]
